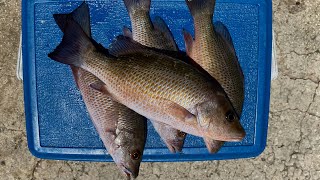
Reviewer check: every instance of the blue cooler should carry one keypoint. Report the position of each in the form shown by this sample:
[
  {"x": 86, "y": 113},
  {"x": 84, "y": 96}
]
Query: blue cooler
[{"x": 58, "y": 124}]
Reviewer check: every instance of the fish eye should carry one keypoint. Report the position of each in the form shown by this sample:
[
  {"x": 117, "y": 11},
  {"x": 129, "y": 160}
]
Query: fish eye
[
  {"x": 135, "y": 155},
  {"x": 230, "y": 116},
  {"x": 181, "y": 134}
]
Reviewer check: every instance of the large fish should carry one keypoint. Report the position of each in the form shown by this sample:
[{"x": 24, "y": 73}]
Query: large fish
[
  {"x": 154, "y": 85},
  {"x": 154, "y": 34},
  {"x": 122, "y": 130},
  {"x": 213, "y": 50}
]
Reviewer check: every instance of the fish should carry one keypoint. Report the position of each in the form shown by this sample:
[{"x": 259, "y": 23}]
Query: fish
[
  {"x": 122, "y": 131},
  {"x": 155, "y": 85},
  {"x": 213, "y": 50},
  {"x": 155, "y": 34}
]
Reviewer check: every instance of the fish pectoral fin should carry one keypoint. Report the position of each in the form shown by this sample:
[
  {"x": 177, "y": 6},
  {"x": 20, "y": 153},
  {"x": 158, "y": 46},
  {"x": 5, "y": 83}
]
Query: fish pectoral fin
[
  {"x": 160, "y": 25},
  {"x": 213, "y": 146},
  {"x": 101, "y": 87},
  {"x": 188, "y": 41},
  {"x": 179, "y": 112},
  {"x": 127, "y": 32},
  {"x": 75, "y": 71},
  {"x": 224, "y": 33}
]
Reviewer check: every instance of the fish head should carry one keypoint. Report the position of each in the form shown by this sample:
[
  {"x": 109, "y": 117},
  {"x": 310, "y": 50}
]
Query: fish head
[
  {"x": 128, "y": 155},
  {"x": 218, "y": 119}
]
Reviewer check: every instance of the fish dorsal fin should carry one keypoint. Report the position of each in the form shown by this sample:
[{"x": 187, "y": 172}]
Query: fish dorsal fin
[
  {"x": 224, "y": 33},
  {"x": 124, "y": 46},
  {"x": 126, "y": 32},
  {"x": 81, "y": 15},
  {"x": 188, "y": 41},
  {"x": 160, "y": 25}
]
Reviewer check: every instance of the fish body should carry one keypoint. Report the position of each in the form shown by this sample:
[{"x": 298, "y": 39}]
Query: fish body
[
  {"x": 122, "y": 131},
  {"x": 213, "y": 50},
  {"x": 151, "y": 34},
  {"x": 154, "y": 85},
  {"x": 154, "y": 34}
]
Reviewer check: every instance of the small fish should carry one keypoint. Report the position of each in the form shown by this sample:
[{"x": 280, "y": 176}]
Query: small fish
[
  {"x": 213, "y": 50},
  {"x": 154, "y": 85},
  {"x": 154, "y": 34},
  {"x": 122, "y": 131}
]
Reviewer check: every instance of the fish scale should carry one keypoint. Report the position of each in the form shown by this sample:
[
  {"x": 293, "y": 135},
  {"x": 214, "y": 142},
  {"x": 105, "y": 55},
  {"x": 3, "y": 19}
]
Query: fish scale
[
  {"x": 216, "y": 55},
  {"x": 202, "y": 108},
  {"x": 112, "y": 120},
  {"x": 212, "y": 54},
  {"x": 144, "y": 32},
  {"x": 139, "y": 77}
]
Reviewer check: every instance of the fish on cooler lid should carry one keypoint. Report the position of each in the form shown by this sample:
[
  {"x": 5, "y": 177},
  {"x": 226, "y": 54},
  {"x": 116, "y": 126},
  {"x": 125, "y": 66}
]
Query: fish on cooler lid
[
  {"x": 122, "y": 131},
  {"x": 212, "y": 49},
  {"x": 154, "y": 85}
]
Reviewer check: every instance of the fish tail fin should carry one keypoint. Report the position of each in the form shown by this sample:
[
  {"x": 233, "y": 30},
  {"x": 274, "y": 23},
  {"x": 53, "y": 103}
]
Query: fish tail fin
[
  {"x": 80, "y": 15},
  {"x": 134, "y": 5},
  {"x": 74, "y": 44},
  {"x": 201, "y": 6}
]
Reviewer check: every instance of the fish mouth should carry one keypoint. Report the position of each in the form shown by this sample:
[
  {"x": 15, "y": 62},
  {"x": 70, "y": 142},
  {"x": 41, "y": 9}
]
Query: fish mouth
[
  {"x": 234, "y": 138},
  {"x": 129, "y": 173}
]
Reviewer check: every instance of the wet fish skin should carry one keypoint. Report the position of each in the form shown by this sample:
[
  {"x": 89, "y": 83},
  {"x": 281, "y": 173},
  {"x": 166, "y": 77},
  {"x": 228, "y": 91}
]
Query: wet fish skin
[
  {"x": 122, "y": 131},
  {"x": 156, "y": 86},
  {"x": 144, "y": 31},
  {"x": 173, "y": 138},
  {"x": 154, "y": 34},
  {"x": 213, "y": 50},
  {"x": 213, "y": 53}
]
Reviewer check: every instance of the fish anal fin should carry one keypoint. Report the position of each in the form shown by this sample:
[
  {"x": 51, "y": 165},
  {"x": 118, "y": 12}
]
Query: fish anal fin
[
  {"x": 160, "y": 25},
  {"x": 188, "y": 40},
  {"x": 75, "y": 72},
  {"x": 224, "y": 33},
  {"x": 126, "y": 32}
]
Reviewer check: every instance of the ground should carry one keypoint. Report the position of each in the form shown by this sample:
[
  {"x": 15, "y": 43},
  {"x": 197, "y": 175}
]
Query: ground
[{"x": 293, "y": 146}]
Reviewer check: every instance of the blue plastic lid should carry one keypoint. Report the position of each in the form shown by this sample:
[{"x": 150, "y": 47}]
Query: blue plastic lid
[{"x": 58, "y": 125}]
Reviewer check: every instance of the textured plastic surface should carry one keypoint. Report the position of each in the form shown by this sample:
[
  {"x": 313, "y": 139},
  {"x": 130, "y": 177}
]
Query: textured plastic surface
[{"x": 58, "y": 125}]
